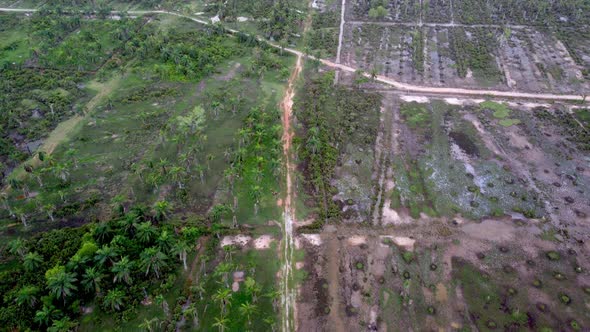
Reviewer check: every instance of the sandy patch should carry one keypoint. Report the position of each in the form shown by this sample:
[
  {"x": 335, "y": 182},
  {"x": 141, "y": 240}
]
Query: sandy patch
[
  {"x": 263, "y": 242},
  {"x": 401, "y": 241},
  {"x": 461, "y": 102},
  {"x": 417, "y": 99},
  {"x": 240, "y": 240},
  {"x": 299, "y": 265},
  {"x": 357, "y": 240},
  {"x": 313, "y": 239},
  {"x": 390, "y": 216}
]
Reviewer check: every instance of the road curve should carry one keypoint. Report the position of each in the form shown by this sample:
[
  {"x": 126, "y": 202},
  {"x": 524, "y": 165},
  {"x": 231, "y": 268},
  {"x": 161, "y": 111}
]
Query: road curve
[{"x": 381, "y": 79}]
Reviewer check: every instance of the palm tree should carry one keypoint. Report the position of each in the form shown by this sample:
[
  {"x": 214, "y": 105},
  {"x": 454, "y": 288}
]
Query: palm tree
[
  {"x": 274, "y": 296},
  {"x": 102, "y": 231},
  {"x": 129, "y": 223},
  {"x": 17, "y": 247},
  {"x": 256, "y": 193},
  {"x": 201, "y": 171},
  {"x": 122, "y": 270},
  {"x": 148, "y": 324},
  {"x": 270, "y": 320},
  {"x": 32, "y": 261},
  {"x": 223, "y": 270},
  {"x": 117, "y": 203},
  {"x": 61, "y": 171},
  {"x": 145, "y": 232},
  {"x": 177, "y": 174},
  {"x": 152, "y": 259},
  {"x": 61, "y": 284},
  {"x": 181, "y": 249},
  {"x": 4, "y": 199},
  {"x": 49, "y": 209},
  {"x": 253, "y": 288},
  {"x": 114, "y": 299},
  {"x": 71, "y": 154},
  {"x": 27, "y": 295},
  {"x": 191, "y": 311},
  {"x": 221, "y": 323},
  {"x": 105, "y": 254},
  {"x": 61, "y": 325},
  {"x": 163, "y": 163},
  {"x": 46, "y": 314},
  {"x": 22, "y": 215},
  {"x": 92, "y": 278},
  {"x": 165, "y": 241},
  {"x": 248, "y": 309},
  {"x": 161, "y": 209},
  {"x": 223, "y": 296}
]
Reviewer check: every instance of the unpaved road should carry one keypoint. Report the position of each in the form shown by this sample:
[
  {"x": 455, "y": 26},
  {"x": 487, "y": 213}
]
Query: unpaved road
[
  {"x": 381, "y": 79},
  {"x": 288, "y": 243}
]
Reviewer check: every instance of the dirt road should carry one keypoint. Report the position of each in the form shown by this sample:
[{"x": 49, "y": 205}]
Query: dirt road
[{"x": 288, "y": 243}]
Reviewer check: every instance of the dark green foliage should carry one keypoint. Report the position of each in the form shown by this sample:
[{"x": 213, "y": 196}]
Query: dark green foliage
[{"x": 82, "y": 265}]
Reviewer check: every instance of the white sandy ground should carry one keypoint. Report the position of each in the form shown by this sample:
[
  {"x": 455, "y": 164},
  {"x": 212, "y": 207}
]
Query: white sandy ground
[
  {"x": 417, "y": 99},
  {"x": 240, "y": 240},
  {"x": 357, "y": 240},
  {"x": 401, "y": 241}
]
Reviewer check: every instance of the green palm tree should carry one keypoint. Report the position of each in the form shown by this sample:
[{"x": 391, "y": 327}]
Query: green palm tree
[
  {"x": 161, "y": 209},
  {"x": 92, "y": 278},
  {"x": 191, "y": 312},
  {"x": 154, "y": 260},
  {"x": 181, "y": 248},
  {"x": 32, "y": 261},
  {"x": 145, "y": 232},
  {"x": 122, "y": 270},
  {"x": 22, "y": 215},
  {"x": 4, "y": 199},
  {"x": 149, "y": 324},
  {"x": 253, "y": 288},
  {"x": 114, "y": 299},
  {"x": 27, "y": 295},
  {"x": 49, "y": 209},
  {"x": 165, "y": 241},
  {"x": 106, "y": 254},
  {"x": 221, "y": 323},
  {"x": 256, "y": 193},
  {"x": 61, "y": 284},
  {"x": 248, "y": 309},
  {"x": 46, "y": 315},
  {"x": 72, "y": 155},
  {"x": 62, "y": 325},
  {"x": 102, "y": 231},
  {"x": 223, "y": 296},
  {"x": 17, "y": 247},
  {"x": 117, "y": 204},
  {"x": 177, "y": 174}
]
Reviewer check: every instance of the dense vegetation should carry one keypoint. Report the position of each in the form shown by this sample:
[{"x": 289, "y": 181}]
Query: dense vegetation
[{"x": 110, "y": 266}]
